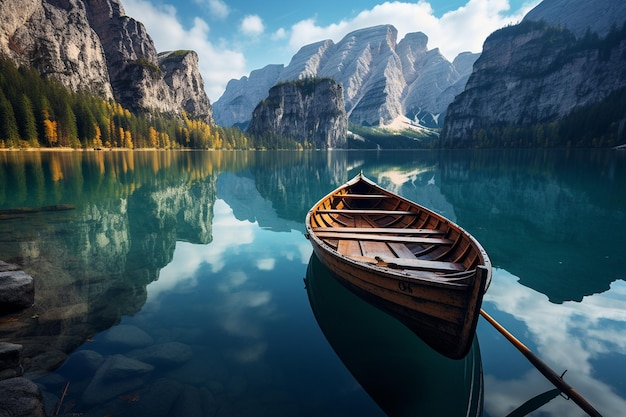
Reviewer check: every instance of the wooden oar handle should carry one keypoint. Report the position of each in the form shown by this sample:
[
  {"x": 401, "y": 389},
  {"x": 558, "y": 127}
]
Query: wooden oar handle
[{"x": 552, "y": 376}]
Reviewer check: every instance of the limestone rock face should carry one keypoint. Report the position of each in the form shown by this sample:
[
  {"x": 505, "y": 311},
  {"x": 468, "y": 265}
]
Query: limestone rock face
[
  {"x": 381, "y": 78},
  {"x": 533, "y": 73},
  {"x": 55, "y": 38},
  {"x": 308, "y": 61},
  {"x": 185, "y": 82},
  {"x": 580, "y": 15},
  {"x": 307, "y": 110},
  {"x": 541, "y": 70},
  {"x": 92, "y": 46},
  {"x": 366, "y": 64}
]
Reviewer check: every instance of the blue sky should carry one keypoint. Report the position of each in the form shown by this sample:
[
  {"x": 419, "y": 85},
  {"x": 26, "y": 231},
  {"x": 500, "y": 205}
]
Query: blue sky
[{"x": 234, "y": 37}]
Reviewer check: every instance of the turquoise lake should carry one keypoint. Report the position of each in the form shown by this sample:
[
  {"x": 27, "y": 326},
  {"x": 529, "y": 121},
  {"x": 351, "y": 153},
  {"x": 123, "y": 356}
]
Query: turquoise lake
[{"x": 180, "y": 283}]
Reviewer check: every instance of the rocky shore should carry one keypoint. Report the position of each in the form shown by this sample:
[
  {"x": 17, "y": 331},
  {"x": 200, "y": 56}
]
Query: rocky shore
[
  {"x": 110, "y": 382},
  {"x": 19, "y": 396},
  {"x": 115, "y": 380},
  {"x": 140, "y": 375}
]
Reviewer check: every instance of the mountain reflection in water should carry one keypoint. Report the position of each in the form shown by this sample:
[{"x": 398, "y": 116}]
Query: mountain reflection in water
[
  {"x": 403, "y": 375},
  {"x": 552, "y": 222}
]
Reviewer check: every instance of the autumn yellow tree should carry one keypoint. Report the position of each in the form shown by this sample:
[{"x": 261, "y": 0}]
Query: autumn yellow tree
[
  {"x": 97, "y": 140},
  {"x": 128, "y": 140},
  {"x": 165, "y": 140},
  {"x": 50, "y": 132},
  {"x": 153, "y": 137}
]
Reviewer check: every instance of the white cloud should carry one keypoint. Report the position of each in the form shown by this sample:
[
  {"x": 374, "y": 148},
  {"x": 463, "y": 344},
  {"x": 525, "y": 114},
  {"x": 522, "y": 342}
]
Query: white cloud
[
  {"x": 219, "y": 9},
  {"x": 464, "y": 29},
  {"x": 281, "y": 33},
  {"x": 218, "y": 63},
  {"x": 252, "y": 25}
]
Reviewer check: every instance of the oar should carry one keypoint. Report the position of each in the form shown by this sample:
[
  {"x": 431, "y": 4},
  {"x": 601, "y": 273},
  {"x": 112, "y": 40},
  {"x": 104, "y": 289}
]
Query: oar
[{"x": 553, "y": 377}]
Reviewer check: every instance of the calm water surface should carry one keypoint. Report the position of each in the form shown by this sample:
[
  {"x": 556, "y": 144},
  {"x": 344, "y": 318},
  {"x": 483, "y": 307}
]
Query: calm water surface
[{"x": 181, "y": 283}]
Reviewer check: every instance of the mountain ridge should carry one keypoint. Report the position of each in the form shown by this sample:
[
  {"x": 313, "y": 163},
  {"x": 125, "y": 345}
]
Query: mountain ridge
[{"x": 380, "y": 84}]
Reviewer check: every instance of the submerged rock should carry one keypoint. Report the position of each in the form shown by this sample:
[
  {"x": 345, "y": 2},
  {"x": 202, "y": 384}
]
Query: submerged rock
[
  {"x": 10, "y": 360},
  {"x": 82, "y": 364},
  {"x": 154, "y": 400},
  {"x": 127, "y": 336},
  {"x": 20, "y": 397},
  {"x": 171, "y": 353},
  {"x": 118, "y": 375},
  {"x": 17, "y": 289}
]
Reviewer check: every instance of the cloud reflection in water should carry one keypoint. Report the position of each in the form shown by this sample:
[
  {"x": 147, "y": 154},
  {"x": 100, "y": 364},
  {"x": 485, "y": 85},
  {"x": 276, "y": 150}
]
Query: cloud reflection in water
[
  {"x": 568, "y": 336},
  {"x": 224, "y": 270}
]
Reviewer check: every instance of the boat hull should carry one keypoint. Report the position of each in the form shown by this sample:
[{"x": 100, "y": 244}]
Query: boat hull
[{"x": 403, "y": 375}]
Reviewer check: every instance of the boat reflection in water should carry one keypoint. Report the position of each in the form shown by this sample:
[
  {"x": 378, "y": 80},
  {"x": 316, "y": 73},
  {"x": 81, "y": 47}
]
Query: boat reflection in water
[{"x": 402, "y": 374}]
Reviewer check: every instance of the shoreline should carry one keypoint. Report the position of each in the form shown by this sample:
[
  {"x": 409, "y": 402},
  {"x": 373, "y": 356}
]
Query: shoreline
[{"x": 66, "y": 149}]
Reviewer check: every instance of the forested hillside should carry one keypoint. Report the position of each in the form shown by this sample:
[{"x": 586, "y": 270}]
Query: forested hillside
[{"x": 42, "y": 113}]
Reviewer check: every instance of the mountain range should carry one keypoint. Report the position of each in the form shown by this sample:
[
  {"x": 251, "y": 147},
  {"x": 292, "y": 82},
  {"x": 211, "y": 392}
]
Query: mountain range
[
  {"x": 538, "y": 83},
  {"x": 384, "y": 81},
  {"x": 560, "y": 70}
]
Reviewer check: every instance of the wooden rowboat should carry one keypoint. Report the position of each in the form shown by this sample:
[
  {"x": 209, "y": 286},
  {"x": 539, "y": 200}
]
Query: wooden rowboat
[{"x": 407, "y": 260}]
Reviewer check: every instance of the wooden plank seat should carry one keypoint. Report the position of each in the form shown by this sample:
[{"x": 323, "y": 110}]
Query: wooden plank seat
[
  {"x": 417, "y": 264},
  {"x": 380, "y": 230},
  {"x": 358, "y": 196},
  {"x": 378, "y": 238},
  {"x": 367, "y": 212},
  {"x": 400, "y": 250},
  {"x": 421, "y": 264}
]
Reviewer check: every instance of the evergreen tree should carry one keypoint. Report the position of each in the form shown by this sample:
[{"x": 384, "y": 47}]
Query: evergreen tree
[
  {"x": 27, "y": 124},
  {"x": 88, "y": 130},
  {"x": 67, "y": 130},
  {"x": 9, "y": 133}
]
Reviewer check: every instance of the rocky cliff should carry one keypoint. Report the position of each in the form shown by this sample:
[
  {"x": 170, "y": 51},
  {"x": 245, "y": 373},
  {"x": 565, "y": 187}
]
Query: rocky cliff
[
  {"x": 383, "y": 80},
  {"x": 578, "y": 16},
  {"x": 309, "y": 110},
  {"x": 91, "y": 45},
  {"x": 532, "y": 76}
]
